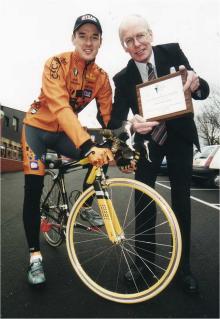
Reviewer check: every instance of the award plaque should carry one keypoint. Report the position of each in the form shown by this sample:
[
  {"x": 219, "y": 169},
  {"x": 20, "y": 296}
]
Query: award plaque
[{"x": 164, "y": 98}]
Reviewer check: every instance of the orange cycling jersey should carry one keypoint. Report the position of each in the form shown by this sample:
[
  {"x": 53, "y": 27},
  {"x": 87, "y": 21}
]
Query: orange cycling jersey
[{"x": 69, "y": 83}]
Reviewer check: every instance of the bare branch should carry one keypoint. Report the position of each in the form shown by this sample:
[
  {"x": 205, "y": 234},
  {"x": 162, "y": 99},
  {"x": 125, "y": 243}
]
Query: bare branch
[{"x": 208, "y": 120}]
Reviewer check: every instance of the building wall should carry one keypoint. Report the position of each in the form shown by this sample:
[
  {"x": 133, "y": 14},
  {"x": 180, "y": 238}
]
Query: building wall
[
  {"x": 10, "y": 148},
  {"x": 9, "y": 165},
  {"x": 9, "y": 130},
  {"x": 11, "y": 127}
]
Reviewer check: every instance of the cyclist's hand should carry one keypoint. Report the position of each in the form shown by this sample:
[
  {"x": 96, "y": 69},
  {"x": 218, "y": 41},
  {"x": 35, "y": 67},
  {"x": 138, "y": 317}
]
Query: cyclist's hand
[
  {"x": 100, "y": 156},
  {"x": 127, "y": 169}
]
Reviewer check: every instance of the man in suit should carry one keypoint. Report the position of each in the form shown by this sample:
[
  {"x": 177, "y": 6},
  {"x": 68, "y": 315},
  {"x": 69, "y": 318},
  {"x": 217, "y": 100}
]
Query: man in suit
[{"x": 178, "y": 135}]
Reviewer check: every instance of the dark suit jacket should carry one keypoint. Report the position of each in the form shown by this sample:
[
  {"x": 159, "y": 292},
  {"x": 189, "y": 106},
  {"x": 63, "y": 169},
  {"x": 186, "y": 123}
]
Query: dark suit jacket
[{"x": 166, "y": 56}]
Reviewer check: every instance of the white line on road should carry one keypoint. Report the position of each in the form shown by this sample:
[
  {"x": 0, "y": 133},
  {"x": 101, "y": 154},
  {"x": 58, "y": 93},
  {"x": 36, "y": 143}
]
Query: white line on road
[
  {"x": 193, "y": 189},
  {"x": 164, "y": 181},
  {"x": 203, "y": 189},
  {"x": 194, "y": 198}
]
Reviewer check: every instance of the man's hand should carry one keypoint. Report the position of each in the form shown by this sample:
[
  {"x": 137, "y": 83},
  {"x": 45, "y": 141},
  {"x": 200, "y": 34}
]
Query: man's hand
[
  {"x": 100, "y": 156},
  {"x": 192, "y": 80},
  {"x": 140, "y": 125}
]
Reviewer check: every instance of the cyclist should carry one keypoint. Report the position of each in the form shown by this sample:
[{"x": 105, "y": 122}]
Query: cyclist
[{"x": 70, "y": 81}]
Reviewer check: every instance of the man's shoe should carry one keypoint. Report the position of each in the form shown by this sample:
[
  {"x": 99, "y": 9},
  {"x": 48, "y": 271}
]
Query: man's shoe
[
  {"x": 91, "y": 216},
  {"x": 138, "y": 273},
  {"x": 189, "y": 283},
  {"x": 36, "y": 274},
  {"x": 133, "y": 274}
]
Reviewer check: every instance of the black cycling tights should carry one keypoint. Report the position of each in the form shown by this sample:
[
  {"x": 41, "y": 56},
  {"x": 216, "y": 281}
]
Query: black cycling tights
[{"x": 31, "y": 210}]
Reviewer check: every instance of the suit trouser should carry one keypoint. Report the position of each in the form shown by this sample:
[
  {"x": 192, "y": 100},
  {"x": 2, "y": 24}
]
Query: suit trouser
[{"x": 179, "y": 155}]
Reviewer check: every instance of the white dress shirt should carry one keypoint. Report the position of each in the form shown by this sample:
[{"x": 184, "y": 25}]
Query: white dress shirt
[{"x": 143, "y": 69}]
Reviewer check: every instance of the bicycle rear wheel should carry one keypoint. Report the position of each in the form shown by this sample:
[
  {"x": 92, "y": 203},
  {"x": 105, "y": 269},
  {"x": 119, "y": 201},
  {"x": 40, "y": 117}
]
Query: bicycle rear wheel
[
  {"x": 152, "y": 243},
  {"x": 51, "y": 207}
]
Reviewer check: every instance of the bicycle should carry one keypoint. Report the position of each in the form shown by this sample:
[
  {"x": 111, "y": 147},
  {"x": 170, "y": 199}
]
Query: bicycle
[{"x": 101, "y": 255}]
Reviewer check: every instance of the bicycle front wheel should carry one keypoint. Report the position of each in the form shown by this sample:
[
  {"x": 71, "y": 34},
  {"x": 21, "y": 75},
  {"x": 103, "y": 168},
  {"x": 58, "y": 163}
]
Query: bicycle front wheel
[{"x": 142, "y": 264}]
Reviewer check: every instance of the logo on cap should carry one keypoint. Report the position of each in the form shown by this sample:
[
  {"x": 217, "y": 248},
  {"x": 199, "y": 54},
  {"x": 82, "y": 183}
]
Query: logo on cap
[{"x": 89, "y": 17}]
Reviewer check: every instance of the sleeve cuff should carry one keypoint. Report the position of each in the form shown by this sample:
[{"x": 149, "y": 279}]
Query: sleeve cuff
[
  {"x": 197, "y": 94},
  {"x": 85, "y": 147}
]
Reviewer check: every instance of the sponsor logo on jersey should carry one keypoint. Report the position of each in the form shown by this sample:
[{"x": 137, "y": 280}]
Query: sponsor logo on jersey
[
  {"x": 87, "y": 93},
  {"x": 91, "y": 77},
  {"x": 54, "y": 68},
  {"x": 34, "y": 165}
]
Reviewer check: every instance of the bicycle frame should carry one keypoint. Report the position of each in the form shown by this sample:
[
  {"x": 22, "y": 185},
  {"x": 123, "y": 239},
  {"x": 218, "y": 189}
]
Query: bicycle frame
[
  {"x": 45, "y": 226},
  {"x": 59, "y": 179},
  {"x": 97, "y": 179}
]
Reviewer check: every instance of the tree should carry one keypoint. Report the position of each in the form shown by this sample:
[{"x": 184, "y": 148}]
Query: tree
[{"x": 208, "y": 120}]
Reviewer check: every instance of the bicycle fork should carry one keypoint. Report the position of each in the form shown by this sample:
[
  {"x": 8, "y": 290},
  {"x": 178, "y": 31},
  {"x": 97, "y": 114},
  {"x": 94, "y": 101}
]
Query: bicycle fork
[{"x": 112, "y": 224}]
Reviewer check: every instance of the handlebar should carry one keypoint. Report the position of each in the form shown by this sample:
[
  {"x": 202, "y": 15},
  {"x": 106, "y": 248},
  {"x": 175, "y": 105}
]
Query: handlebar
[
  {"x": 121, "y": 143},
  {"x": 123, "y": 132},
  {"x": 118, "y": 140}
]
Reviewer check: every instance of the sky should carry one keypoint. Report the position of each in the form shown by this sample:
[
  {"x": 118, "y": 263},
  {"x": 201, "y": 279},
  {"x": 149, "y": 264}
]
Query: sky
[{"x": 33, "y": 30}]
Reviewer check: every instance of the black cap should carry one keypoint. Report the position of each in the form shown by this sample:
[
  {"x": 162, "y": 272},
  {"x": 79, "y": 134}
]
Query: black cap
[{"x": 87, "y": 18}]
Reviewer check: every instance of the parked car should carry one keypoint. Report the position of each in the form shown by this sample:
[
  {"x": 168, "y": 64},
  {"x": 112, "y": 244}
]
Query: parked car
[{"x": 206, "y": 165}]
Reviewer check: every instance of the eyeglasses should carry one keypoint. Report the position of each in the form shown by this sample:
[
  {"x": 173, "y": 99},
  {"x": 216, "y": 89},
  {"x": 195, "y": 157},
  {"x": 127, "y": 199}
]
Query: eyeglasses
[{"x": 140, "y": 37}]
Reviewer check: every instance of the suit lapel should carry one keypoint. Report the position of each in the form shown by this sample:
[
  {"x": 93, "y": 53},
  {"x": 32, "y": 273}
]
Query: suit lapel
[
  {"x": 160, "y": 62},
  {"x": 133, "y": 75}
]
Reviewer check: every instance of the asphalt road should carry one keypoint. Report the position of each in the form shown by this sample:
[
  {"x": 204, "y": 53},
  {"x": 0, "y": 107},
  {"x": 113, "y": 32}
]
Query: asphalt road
[{"x": 66, "y": 297}]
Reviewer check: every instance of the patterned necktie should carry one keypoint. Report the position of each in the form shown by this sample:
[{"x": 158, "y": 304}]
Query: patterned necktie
[{"x": 159, "y": 133}]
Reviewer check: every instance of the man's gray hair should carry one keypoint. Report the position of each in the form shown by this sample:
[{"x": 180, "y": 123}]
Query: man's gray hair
[{"x": 132, "y": 19}]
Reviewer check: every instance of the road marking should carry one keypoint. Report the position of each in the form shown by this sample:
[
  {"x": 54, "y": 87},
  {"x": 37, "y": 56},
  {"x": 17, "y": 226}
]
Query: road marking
[
  {"x": 164, "y": 181},
  {"x": 194, "y": 198},
  {"x": 203, "y": 189},
  {"x": 193, "y": 189}
]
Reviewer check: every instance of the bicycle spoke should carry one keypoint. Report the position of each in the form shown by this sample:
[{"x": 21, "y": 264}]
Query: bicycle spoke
[
  {"x": 89, "y": 240},
  {"x": 144, "y": 262},
  {"x": 150, "y": 252},
  {"x": 105, "y": 262},
  {"x": 119, "y": 268},
  {"x": 139, "y": 214},
  {"x": 129, "y": 267},
  {"x": 96, "y": 255},
  {"x": 144, "y": 232},
  {"x": 144, "y": 259},
  {"x": 126, "y": 213}
]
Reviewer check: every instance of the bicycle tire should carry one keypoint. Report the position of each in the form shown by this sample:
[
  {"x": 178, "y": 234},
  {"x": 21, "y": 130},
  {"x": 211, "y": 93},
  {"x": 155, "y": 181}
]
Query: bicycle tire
[
  {"x": 51, "y": 211},
  {"x": 105, "y": 273}
]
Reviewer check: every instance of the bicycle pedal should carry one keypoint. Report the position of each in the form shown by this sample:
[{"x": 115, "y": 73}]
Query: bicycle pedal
[{"x": 95, "y": 229}]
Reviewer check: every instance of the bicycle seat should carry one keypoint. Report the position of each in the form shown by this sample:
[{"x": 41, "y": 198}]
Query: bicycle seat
[
  {"x": 53, "y": 164},
  {"x": 54, "y": 161}
]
